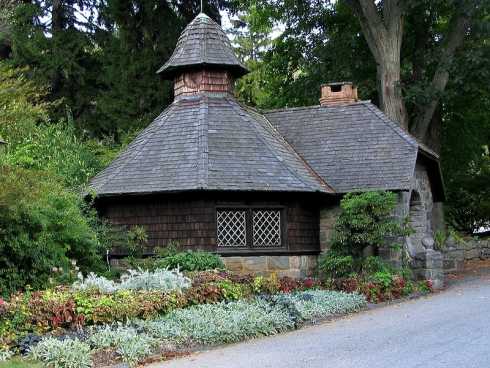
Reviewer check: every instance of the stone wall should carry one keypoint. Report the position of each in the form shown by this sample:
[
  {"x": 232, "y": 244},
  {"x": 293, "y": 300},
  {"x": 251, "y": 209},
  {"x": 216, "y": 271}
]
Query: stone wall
[
  {"x": 328, "y": 216},
  {"x": 457, "y": 252},
  {"x": 296, "y": 266}
]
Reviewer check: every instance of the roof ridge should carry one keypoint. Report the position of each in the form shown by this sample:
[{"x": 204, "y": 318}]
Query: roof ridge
[
  {"x": 146, "y": 131},
  {"x": 203, "y": 147},
  {"x": 282, "y": 109},
  {"x": 394, "y": 126},
  {"x": 290, "y": 148}
]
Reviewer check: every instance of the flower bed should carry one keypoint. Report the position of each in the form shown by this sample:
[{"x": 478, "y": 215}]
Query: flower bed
[
  {"x": 147, "y": 313},
  {"x": 223, "y": 322}
]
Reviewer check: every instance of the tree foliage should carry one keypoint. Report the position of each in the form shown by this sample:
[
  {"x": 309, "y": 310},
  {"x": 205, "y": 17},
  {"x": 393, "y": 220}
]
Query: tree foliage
[{"x": 42, "y": 226}]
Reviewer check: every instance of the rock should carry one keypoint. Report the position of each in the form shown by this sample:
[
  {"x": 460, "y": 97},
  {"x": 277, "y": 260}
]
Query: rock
[
  {"x": 254, "y": 264},
  {"x": 428, "y": 242},
  {"x": 278, "y": 263},
  {"x": 233, "y": 263}
]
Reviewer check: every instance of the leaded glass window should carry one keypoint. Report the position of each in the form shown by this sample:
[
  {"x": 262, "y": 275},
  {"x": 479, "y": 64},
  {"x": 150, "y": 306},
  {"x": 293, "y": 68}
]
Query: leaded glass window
[
  {"x": 266, "y": 228},
  {"x": 249, "y": 227},
  {"x": 231, "y": 228}
]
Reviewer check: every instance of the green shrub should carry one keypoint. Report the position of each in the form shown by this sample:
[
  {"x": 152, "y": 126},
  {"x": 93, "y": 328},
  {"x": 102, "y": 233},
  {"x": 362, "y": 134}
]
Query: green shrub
[
  {"x": 334, "y": 265},
  {"x": 191, "y": 261},
  {"x": 42, "y": 228},
  {"x": 370, "y": 265},
  {"x": 366, "y": 220}
]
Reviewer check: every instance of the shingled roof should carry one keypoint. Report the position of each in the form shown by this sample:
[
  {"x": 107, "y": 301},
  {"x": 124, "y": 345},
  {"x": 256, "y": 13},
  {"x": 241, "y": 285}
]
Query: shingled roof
[
  {"x": 352, "y": 147},
  {"x": 207, "y": 142},
  {"x": 203, "y": 43}
]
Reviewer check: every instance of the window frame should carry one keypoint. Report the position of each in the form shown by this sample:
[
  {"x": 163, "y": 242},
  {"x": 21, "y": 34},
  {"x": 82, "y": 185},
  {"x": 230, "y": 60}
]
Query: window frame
[{"x": 249, "y": 228}]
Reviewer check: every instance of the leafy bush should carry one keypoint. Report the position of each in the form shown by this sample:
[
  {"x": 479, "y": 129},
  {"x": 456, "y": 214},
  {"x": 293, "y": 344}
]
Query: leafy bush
[
  {"x": 366, "y": 220},
  {"x": 56, "y": 149},
  {"x": 371, "y": 265},
  {"x": 68, "y": 353},
  {"x": 191, "y": 261},
  {"x": 334, "y": 265},
  {"x": 42, "y": 228}
]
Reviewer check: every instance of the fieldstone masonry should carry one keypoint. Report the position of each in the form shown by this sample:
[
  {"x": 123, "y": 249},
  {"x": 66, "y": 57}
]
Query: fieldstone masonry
[
  {"x": 328, "y": 216},
  {"x": 418, "y": 248},
  {"x": 288, "y": 265},
  {"x": 457, "y": 252}
]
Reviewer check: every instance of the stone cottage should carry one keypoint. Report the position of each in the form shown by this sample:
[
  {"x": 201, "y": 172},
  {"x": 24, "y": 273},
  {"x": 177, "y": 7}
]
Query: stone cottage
[{"x": 261, "y": 188}]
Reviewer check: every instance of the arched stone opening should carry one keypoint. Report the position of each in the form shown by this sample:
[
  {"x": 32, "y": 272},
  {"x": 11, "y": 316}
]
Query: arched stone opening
[{"x": 418, "y": 222}]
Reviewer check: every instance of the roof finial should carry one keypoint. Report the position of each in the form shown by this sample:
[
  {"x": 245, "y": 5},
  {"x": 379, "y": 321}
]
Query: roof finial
[{"x": 202, "y": 8}]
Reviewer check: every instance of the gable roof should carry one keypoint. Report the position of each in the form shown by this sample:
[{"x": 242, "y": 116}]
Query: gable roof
[
  {"x": 353, "y": 147},
  {"x": 203, "y": 43},
  {"x": 207, "y": 142}
]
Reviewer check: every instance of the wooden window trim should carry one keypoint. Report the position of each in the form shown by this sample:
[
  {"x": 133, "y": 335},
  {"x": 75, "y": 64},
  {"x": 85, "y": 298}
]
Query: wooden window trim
[{"x": 249, "y": 230}]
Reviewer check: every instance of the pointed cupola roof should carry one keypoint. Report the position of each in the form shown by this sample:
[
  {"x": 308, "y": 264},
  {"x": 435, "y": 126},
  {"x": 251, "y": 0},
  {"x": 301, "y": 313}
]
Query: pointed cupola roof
[
  {"x": 207, "y": 140},
  {"x": 203, "y": 44}
]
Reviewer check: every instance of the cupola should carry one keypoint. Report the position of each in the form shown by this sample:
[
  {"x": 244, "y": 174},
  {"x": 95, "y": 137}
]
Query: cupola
[{"x": 203, "y": 60}]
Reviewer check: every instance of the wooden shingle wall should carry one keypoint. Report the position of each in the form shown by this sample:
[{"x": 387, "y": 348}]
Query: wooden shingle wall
[
  {"x": 193, "y": 82},
  {"x": 191, "y": 220}
]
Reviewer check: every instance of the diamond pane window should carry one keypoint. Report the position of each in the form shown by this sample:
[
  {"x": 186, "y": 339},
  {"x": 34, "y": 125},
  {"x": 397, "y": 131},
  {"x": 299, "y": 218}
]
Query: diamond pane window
[
  {"x": 266, "y": 228},
  {"x": 231, "y": 228}
]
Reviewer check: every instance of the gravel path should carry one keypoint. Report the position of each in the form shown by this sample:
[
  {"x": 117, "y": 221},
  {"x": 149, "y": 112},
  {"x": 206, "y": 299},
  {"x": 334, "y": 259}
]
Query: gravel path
[{"x": 447, "y": 330}]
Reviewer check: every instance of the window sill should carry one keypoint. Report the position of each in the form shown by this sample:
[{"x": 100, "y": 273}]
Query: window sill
[{"x": 263, "y": 252}]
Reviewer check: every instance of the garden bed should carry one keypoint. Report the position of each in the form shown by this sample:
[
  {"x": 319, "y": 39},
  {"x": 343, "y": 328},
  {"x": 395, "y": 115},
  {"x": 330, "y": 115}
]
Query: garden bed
[{"x": 162, "y": 313}]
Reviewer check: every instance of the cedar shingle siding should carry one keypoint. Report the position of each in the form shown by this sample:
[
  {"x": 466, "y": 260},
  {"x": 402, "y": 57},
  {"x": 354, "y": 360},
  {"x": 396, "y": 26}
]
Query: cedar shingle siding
[{"x": 190, "y": 219}]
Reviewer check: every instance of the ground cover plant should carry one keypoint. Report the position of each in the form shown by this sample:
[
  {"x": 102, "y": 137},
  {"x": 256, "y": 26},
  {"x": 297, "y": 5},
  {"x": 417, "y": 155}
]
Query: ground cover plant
[
  {"x": 223, "y": 322},
  {"x": 145, "y": 310}
]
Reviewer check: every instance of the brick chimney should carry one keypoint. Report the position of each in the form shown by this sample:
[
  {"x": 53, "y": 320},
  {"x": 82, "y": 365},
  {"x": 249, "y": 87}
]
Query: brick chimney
[{"x": 338, "y": 93}]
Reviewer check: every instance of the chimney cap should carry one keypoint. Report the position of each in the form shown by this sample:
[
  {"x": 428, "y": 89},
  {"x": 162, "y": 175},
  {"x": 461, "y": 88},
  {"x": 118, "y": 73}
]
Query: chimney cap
[
  {"x": 337, "y": 83},
  {"x": 338, "y": 93}
]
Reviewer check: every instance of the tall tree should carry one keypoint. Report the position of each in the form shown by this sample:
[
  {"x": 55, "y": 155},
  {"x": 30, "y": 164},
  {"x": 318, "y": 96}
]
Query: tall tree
[{"x": 382, "y": 24}]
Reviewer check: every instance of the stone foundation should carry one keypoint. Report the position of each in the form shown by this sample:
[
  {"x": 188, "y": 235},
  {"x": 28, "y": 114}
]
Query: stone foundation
[
  {"x": 328, "y": 216},
  {"x": 293, "y": 266},
  {"x": 456, "y": 253},
  {"x": 427, "y": 265}
]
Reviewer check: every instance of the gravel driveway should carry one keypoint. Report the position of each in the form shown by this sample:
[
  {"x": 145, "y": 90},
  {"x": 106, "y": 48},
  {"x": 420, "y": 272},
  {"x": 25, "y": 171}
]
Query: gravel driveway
[{"x": 450, "y": 329}]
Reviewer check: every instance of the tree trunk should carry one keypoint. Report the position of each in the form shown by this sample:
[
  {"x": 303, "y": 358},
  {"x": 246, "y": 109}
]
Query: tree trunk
[
  {"x": 390, "y": 92},
  {"x": 384, "y": 37}
]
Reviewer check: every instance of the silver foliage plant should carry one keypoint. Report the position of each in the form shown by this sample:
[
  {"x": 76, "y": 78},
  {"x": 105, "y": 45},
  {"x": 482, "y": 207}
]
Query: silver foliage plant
[
  {"x": 160, "y": 279},
  {"x": 69, "y": 353},
  {"x": 222, "y": 322},
  {"x": 130, "y": 344},
  {"x": 235, "y": 321},
  {"x": 5, "y": 355},
  {"x": 314, "y": 304}
]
